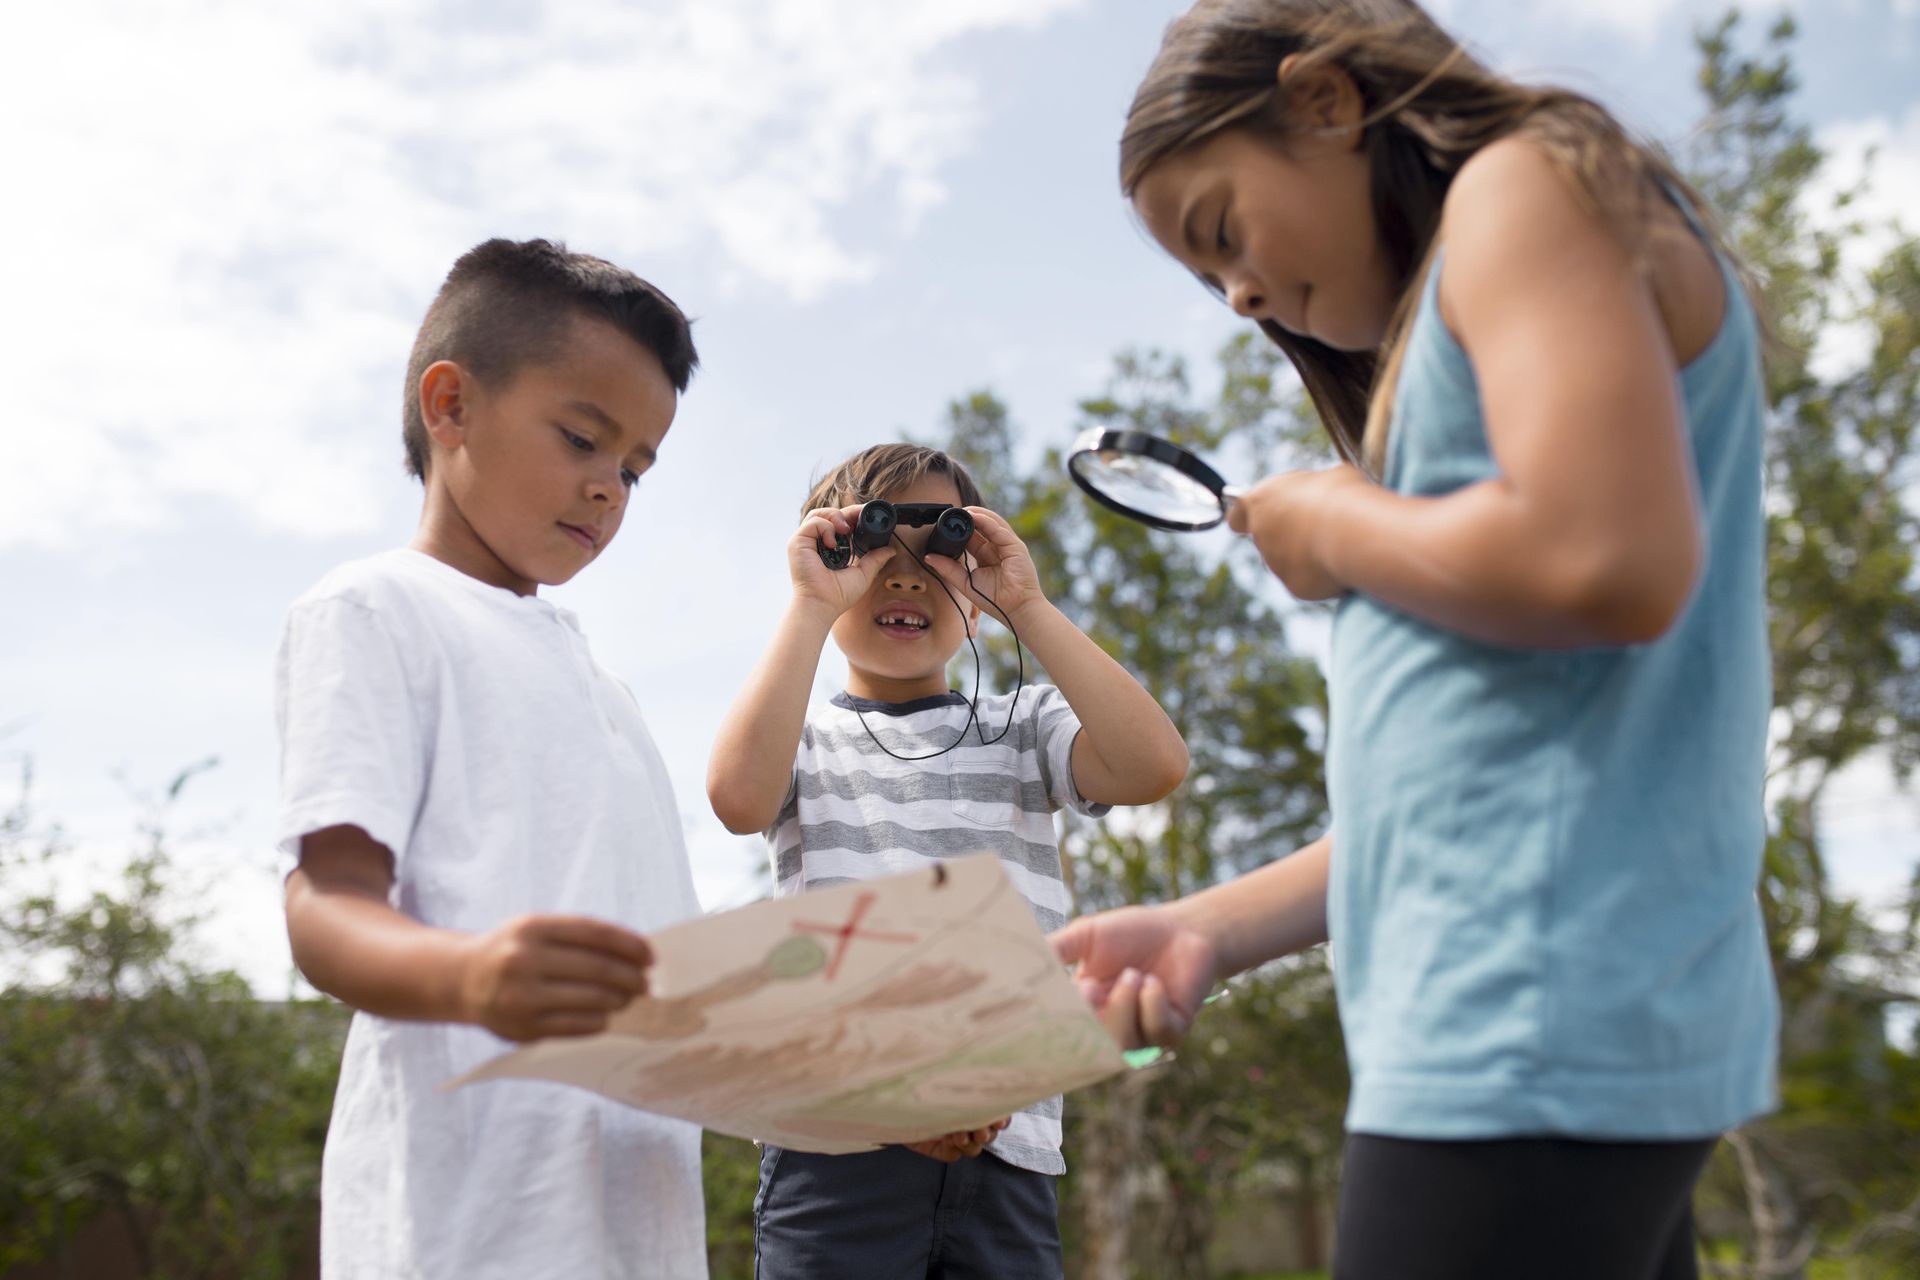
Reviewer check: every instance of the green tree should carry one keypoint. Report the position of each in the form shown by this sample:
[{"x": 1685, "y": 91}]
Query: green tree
[
  {"x": 142, "y": 1090},
  {"x": 1213, "y": 649},
  {"x": 730, "y": 1179},
  {"x": 1835, "y": 1172},
  {"x": 1249, "y": 1112},
  {"x": 1833, "y": 1179}
]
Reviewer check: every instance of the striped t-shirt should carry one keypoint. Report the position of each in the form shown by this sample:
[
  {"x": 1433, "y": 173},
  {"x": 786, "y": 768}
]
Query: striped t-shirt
[{"x": 854, "y": 812}]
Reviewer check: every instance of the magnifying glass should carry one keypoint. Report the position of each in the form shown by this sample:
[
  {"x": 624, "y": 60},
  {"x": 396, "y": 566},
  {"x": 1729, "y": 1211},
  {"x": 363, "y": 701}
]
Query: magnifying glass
[{"x": 1150, "y": 480}]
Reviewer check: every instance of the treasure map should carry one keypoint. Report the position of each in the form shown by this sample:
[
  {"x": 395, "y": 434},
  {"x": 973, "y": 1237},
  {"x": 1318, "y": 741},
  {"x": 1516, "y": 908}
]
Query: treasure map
[{"x": 889, "y": 1010}]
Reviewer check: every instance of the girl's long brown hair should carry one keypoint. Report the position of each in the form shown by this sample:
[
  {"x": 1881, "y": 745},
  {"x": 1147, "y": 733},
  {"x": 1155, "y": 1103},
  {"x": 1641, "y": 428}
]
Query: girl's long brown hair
[{"x": 1429, "y": 107}]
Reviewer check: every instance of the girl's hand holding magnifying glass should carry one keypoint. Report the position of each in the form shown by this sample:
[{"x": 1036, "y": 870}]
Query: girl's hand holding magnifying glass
[{"x": 1289, "y": 518}]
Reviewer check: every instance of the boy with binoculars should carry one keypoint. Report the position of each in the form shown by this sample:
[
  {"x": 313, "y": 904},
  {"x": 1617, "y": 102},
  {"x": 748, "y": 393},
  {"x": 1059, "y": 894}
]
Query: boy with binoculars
[{"x": 895, "y": 558}]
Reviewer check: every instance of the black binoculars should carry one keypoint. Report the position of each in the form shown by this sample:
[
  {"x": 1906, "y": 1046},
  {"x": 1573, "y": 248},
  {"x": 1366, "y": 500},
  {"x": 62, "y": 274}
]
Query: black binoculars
[{"x": 952, "y": 530}]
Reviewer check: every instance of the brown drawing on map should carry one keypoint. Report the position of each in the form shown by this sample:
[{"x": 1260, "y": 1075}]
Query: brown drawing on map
[{"x": 676, "y": 1019}]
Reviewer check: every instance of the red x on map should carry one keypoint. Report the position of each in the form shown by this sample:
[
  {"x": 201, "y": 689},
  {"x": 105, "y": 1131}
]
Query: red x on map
[{"x": 851, "y": 929}]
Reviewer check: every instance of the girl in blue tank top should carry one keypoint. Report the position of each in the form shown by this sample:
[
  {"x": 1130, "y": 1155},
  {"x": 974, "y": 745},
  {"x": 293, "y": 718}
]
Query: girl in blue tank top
[{"x": 1550, "y": 680}]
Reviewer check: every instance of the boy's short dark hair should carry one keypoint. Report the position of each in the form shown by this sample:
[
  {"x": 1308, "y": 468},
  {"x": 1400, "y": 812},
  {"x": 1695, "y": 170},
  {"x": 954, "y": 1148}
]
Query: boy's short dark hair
[
  {"x": 508, "y": 303},
  {"x": 885, "y": 470}
]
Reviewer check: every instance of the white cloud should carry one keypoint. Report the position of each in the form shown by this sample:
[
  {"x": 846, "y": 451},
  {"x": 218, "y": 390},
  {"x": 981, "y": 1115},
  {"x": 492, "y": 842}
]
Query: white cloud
[
  {"x": 1868, "y": 821},
  {"x": 1639, "y": 19},
  {"x": 1886, "y": 152},
  {"x": 224, "y": 218},
  {"x": 1642, "y": 21},
  {"x": 1893, "y": 172}
]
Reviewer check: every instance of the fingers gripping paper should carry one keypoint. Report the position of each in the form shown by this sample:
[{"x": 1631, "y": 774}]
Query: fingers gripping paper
[{"x": 891, "y": 1010}]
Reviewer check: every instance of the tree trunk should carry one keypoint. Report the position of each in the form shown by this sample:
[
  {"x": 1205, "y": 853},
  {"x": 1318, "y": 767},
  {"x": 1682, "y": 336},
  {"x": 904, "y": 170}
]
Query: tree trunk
[
  {"x": 1780, "y": 1247},
  {"x": 1190, "y": 1220},
  {"x": 1107, "y": 1172},
  {"x": 1313, "y": 1247}
]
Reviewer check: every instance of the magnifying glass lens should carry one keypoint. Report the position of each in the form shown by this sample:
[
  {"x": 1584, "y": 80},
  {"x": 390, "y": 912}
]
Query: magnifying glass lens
[{"x": 1149, "y": 487}]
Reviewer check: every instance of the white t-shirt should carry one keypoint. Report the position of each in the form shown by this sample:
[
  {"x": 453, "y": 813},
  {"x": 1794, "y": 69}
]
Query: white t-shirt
[{"x": 469, "y": 730}]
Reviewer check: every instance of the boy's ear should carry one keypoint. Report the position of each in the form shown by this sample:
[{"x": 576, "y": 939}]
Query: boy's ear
[
  {"x": 973, "y": 619},
  {"x": 445, "y": 389}
]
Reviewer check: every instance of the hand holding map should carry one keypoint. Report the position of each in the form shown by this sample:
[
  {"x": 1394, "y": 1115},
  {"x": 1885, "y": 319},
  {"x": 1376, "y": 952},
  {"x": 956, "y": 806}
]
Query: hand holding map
[{"x": 891, "y": 1010}]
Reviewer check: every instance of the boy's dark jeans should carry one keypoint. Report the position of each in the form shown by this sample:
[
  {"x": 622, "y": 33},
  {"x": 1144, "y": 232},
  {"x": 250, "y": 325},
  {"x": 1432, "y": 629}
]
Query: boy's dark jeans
[{"x": 880, "y": 1215}]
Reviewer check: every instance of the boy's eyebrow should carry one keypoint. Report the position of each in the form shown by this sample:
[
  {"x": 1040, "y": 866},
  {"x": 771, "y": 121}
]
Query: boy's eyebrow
[{"x": 588, "y": 408}]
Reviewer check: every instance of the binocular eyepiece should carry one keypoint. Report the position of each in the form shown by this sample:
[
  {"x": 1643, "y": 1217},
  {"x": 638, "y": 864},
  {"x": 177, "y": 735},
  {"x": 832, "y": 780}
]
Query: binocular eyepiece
[{"x": 952, "y": 530}]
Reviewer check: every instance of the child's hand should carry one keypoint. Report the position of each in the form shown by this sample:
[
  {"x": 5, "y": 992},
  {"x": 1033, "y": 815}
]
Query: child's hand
[
  {"x": 1284, "y": 514},
  {"x": 1144, "y": 971},
  {"x": 551, "y": 975},
  {"x": 958, "y": 1146},
  {"x": 1005, "y": 582},
  {"x": 835, "y": 590}
]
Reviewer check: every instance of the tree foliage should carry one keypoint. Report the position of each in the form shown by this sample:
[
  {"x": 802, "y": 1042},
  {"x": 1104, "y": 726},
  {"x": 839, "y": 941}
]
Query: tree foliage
[
  {"x": 145, "y": 1095},
  {"x": 1212, "y": 649},
  {"x": 1151, "y": 1152},
  {"x": 1836, "y": 1171}
]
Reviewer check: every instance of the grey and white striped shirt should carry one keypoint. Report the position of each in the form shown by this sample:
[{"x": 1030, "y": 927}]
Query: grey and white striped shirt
[{"x": 854, "y": 812}]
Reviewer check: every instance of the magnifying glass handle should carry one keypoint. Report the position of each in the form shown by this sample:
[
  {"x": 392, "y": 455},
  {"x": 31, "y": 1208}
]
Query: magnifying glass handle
[{"x": 1230, "y": 495}]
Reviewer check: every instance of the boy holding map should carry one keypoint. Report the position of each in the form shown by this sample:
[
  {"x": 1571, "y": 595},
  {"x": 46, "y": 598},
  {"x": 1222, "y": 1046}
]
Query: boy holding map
[
  {"x": 896, "y": 772},
  {"x": 482, "y": 827}
]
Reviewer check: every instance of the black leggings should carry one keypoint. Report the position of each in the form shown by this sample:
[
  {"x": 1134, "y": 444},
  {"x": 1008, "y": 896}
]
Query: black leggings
[{"x": 1519, "y": 1208}]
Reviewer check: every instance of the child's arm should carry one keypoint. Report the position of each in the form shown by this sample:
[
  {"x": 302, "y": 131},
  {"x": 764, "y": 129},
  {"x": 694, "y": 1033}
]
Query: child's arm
[
  {"x": 533, "y": 976},
  {"x": 1590, "y": 533},
  {"x": 1128, "y": 751},
  {"x": 752, "y": 763},
  {"x": 1147, "y": 969}
]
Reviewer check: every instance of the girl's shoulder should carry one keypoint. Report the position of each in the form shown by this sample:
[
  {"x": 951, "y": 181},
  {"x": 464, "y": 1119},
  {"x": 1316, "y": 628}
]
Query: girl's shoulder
[
  {"x": 1516, "y": 217},
  {"x": 1517, "y": 221},
  {"x": 1515, "y": 232},
  {"x": 1518, "y": 164},
  {"x": 1513, "y": 205}
]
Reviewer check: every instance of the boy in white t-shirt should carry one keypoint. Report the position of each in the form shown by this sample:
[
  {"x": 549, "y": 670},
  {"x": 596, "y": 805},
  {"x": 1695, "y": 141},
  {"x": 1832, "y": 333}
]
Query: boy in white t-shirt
[{"x": 483, "y": 827}]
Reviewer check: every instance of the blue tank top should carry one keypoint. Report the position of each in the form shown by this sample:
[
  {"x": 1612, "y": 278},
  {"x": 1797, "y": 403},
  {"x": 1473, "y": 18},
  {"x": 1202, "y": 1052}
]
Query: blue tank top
[{"x": 1542, "y": 899}]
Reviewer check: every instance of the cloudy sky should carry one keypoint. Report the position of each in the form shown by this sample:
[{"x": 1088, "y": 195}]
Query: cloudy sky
[{"x": 224, "y": 221}]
